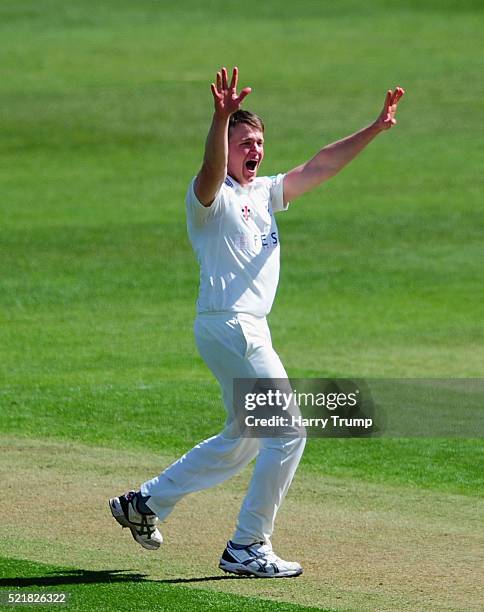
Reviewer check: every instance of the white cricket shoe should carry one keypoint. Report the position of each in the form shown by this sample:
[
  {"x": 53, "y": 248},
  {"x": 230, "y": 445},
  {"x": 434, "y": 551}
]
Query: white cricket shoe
[
  {"x": 142, "y": 526},
  {"x": 257, "y": 560}
]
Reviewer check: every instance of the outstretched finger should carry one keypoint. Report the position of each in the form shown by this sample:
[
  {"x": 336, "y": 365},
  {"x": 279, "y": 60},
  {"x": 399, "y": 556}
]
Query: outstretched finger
[
  {"x": 235, "y": 78},
  {"x": 243, "y": 94},
  {"x": 215, "y": 92},
  {"x": 388, "y": 97},
  {"x": 224, "y": 78},
  {"x": 219, "y": 81},
  {"x": 397, "y": 94}
]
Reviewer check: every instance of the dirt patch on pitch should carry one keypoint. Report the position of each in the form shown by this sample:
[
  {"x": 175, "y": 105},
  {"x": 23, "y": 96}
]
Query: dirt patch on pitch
[{"x": 363, "y": 547}]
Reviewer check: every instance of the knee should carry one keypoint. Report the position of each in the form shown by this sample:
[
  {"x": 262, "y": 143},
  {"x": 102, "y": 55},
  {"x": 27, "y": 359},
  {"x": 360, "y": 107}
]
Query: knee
[
  {"x": 290, "y": 447},
  {"x": 298, "y": 445}
]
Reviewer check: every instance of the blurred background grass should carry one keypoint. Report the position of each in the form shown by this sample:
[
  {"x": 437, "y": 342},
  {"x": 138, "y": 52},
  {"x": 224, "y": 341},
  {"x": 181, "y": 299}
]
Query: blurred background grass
[{"x": 104, "y": 111}]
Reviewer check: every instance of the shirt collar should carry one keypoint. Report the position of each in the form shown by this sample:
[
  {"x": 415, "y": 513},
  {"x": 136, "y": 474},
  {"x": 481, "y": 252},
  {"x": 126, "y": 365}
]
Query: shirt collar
[{"x": 231, "y": 182}]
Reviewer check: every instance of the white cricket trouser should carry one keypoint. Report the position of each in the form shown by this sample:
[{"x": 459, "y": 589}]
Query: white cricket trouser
[{"x": 234, "y": 346}]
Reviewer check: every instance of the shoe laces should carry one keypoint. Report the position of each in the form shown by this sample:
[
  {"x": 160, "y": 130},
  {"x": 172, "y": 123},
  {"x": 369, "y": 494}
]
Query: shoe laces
[
  {"x": 267, "y": 552},
  {"x": 259, "y": 550}
]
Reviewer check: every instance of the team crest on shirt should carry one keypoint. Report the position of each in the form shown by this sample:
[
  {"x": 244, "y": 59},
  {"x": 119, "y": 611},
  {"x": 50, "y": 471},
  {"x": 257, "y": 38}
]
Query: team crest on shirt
[{"x": 246, "y": 212}]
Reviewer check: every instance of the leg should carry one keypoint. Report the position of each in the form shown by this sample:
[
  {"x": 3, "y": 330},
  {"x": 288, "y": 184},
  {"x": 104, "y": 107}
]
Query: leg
[
  {"x": 278, "y": 457},
  {"x": 223, "y": 346},
  {"x": 273, "y": 473},
  {"x": 206, "y": 465}
]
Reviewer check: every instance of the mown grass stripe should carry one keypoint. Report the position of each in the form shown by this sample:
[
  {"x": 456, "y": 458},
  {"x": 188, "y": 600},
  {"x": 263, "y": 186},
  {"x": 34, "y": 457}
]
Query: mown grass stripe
[{"x": 114, "y": 590}]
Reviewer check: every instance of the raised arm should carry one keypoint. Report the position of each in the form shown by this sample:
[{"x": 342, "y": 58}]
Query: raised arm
[
  {"x": 214, "y": 167},
  {"x": 335, "y": 156}
]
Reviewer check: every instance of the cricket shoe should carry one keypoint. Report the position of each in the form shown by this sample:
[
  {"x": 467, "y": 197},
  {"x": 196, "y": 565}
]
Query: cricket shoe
[
  {"x": 142, "y": 526},
  {"x": 257, "y": 560}
]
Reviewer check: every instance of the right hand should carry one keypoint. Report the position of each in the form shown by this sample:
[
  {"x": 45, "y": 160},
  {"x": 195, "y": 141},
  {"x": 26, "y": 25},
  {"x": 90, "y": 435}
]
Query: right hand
[{"x": 225, "y": 98}]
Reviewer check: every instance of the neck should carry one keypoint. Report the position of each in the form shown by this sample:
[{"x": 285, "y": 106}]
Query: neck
[{"x": 241, "y": 181}]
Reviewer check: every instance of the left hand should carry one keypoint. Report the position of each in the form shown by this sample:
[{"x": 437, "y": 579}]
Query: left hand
[{"x": 386, "y": 119}]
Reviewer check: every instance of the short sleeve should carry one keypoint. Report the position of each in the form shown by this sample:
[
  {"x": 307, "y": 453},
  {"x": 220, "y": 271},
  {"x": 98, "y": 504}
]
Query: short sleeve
[
  {"x": 277, "y": 193},
  {"x": 197, "y": 211}
]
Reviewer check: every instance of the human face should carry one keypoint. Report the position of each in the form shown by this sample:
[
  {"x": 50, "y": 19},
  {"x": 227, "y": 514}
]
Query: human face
[{"x": 246, "y": 152}]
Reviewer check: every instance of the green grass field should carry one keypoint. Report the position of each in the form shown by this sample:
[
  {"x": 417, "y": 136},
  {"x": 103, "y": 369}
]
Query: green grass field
[{"x": 104, "y": 111}]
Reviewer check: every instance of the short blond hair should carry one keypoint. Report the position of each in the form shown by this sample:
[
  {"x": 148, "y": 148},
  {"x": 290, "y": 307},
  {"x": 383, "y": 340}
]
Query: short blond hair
[{"x": 244, "y": 116}]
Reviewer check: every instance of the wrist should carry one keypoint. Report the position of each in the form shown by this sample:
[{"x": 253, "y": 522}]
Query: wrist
[
  {"x": 221, "y": 117},
  {"x": 376, "y": 127}
]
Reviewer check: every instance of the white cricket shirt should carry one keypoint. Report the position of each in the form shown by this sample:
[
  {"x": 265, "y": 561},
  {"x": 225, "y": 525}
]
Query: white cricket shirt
[{"x": 237, "y": 245}]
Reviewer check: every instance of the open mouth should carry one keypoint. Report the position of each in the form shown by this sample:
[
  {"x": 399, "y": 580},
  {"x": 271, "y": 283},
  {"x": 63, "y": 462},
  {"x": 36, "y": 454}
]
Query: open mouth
[{"x": 251, "y": 165}]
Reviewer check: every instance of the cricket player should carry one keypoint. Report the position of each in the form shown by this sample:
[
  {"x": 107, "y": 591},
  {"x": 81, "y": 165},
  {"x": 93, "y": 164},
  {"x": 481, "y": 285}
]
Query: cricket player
[{"x": 232, "y": 227}]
